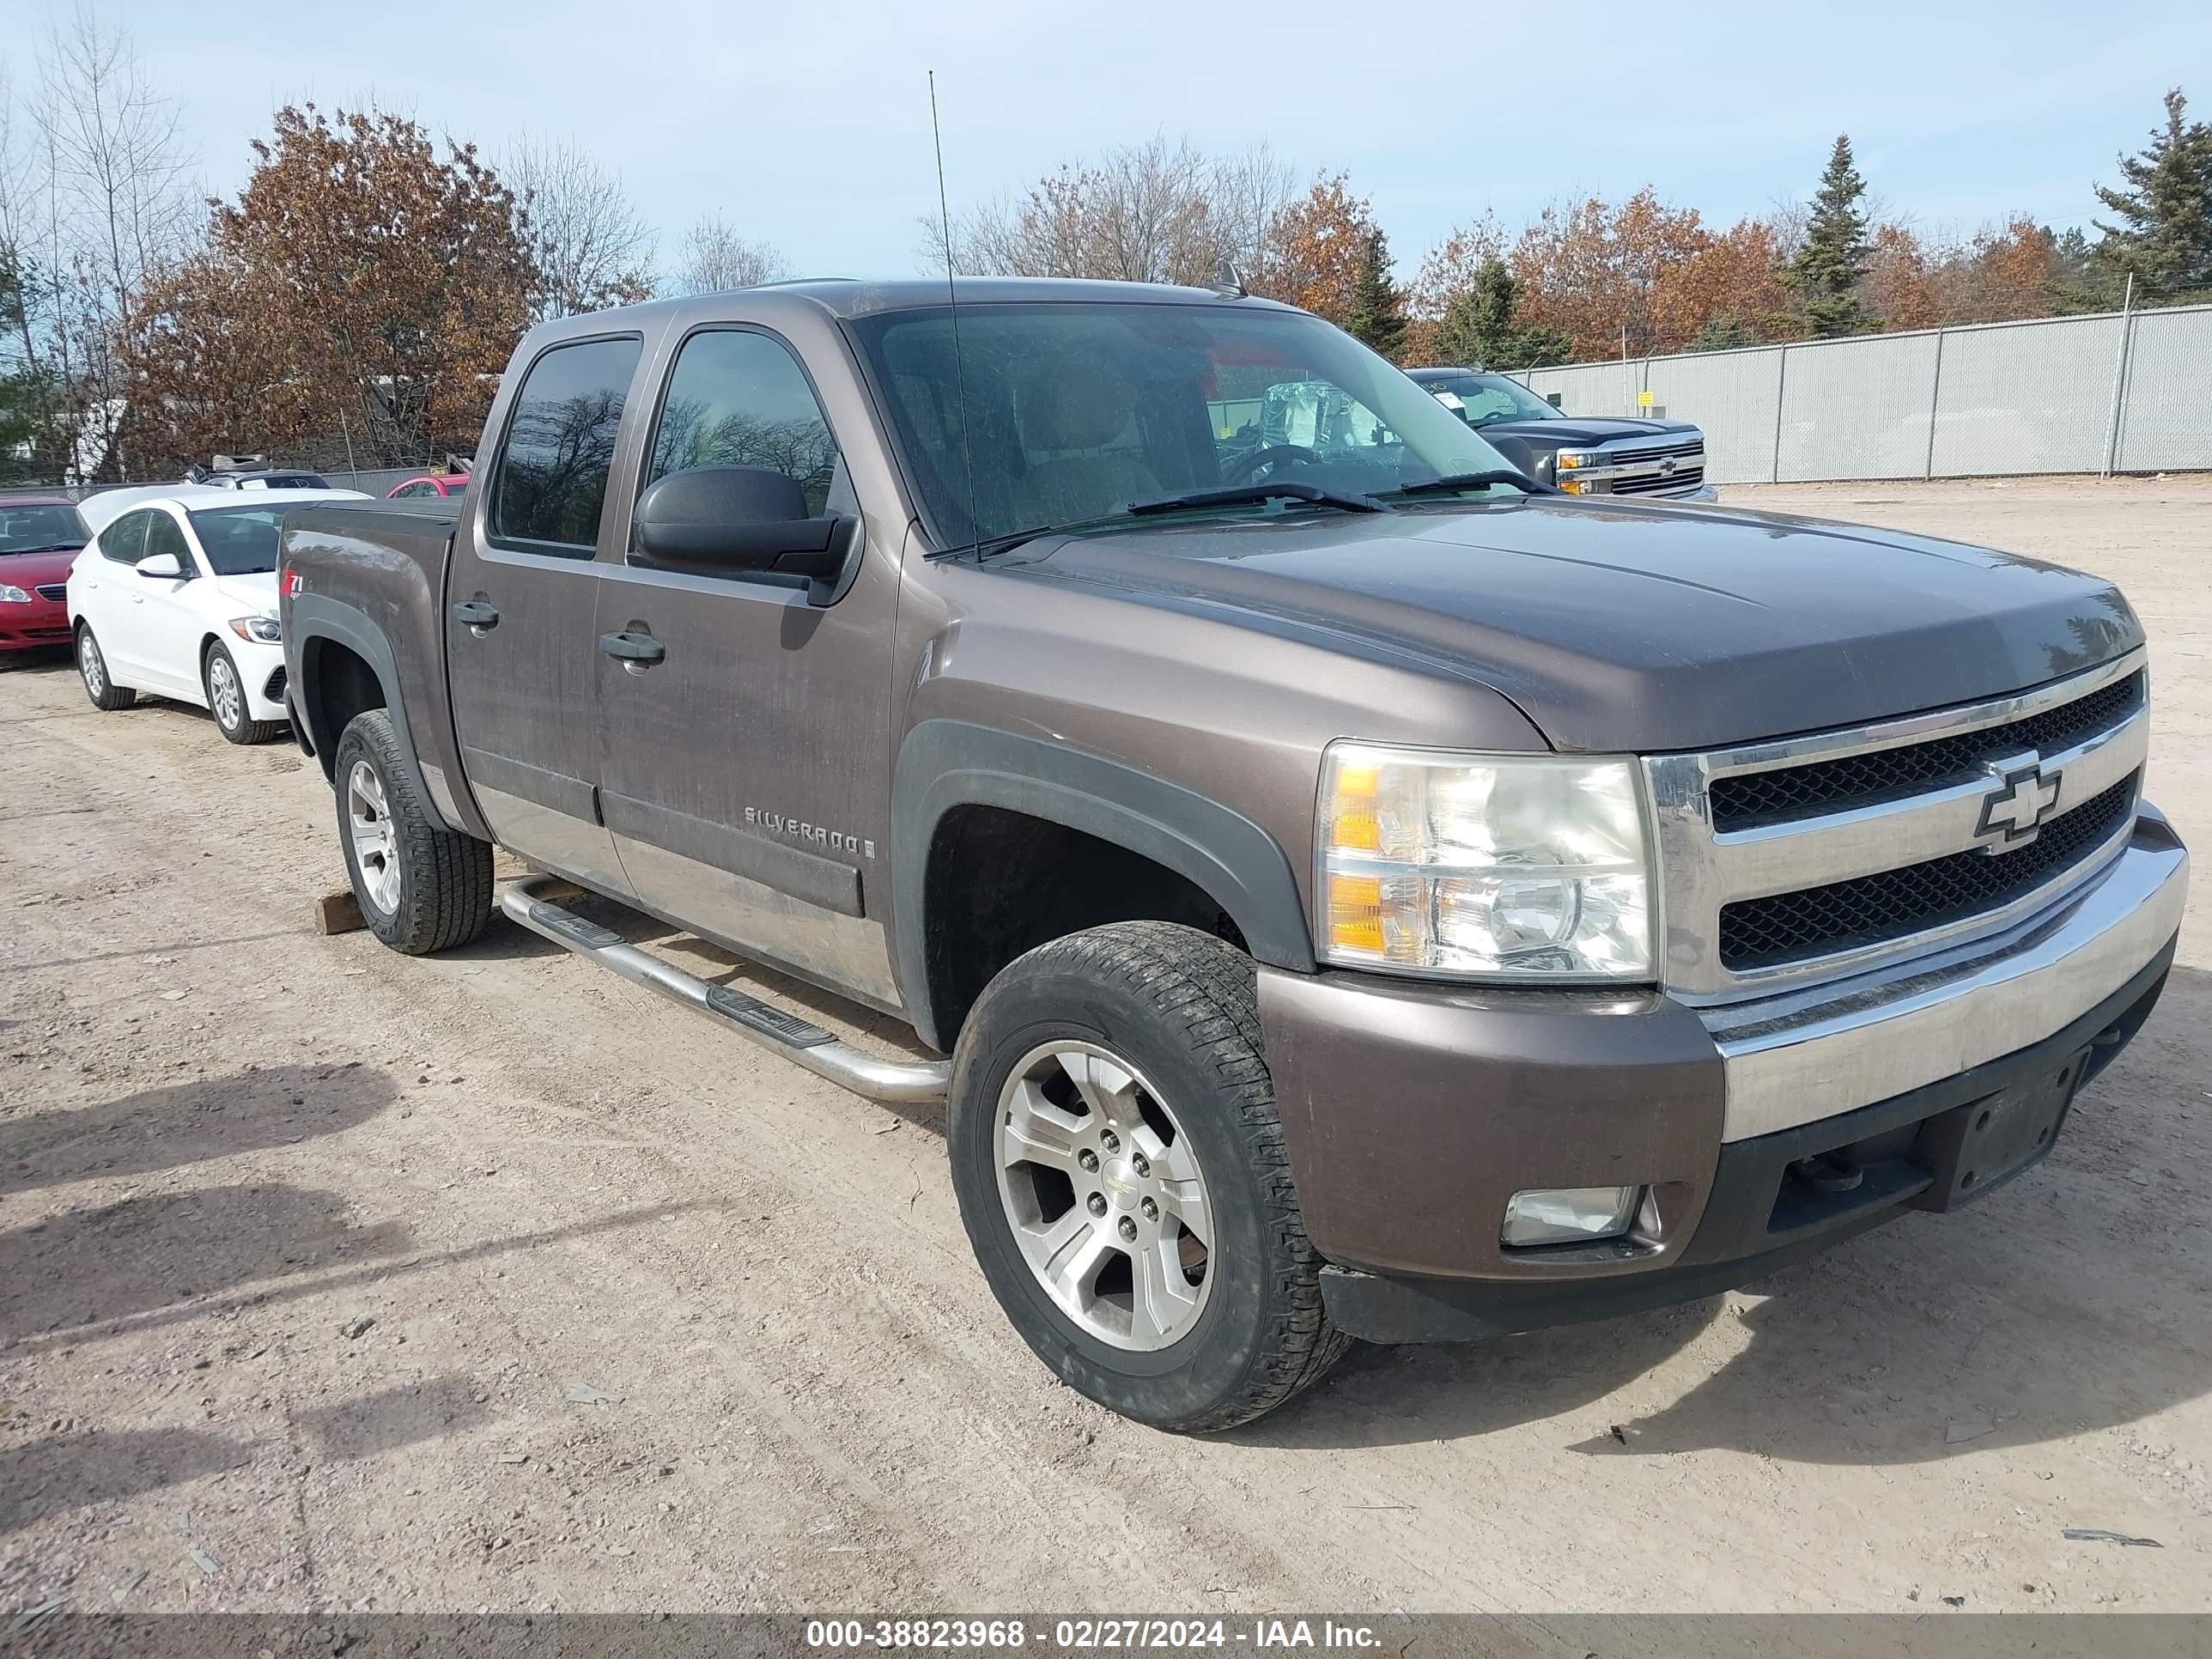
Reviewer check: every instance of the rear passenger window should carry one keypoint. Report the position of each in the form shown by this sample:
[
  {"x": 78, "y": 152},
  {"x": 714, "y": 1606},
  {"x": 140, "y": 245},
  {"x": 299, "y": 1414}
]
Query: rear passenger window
[
  {"x": 737, "y": 399},
  {"x": 560, "y": 443},
  {"x": 125, "y": 540}
]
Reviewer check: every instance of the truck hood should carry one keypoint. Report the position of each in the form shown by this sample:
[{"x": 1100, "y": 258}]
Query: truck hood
[
  {"x": 1576, "y": 430},
  {"x": 1635, "y": 628}
]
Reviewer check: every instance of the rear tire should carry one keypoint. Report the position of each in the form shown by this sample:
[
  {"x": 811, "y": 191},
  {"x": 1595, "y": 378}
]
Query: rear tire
[
  {"x": 226, "y": 697},
  {"x": 421, "y": 886},
  {"x": 1128, "y": 1059},
  {"x": 92, "y": 668}
]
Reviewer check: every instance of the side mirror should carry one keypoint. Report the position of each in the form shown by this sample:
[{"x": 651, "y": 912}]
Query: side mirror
[
  {"x": 162, "y": 566},
  {"x": 740, "y": 518}
]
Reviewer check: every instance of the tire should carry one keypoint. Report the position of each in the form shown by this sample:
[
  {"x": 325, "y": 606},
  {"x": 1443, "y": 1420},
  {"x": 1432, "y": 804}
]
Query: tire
[
  {"x": 92, "y": 668},
  {"x": 1172, "y": 1013},
  {"x": 226, "y": 699},
  {"x": 421, "y": 886}
]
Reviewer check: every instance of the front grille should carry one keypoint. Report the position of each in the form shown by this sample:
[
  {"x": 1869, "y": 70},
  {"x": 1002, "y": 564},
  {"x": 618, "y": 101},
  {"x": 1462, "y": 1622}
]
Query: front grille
[
  {"x": 53, "y": 590},
  {"x": 1690, "y": 446},
  {"x": 1846, "y": 915},
  {"x": 1687, "y": 477},
  {"x": 1747, "y": 799},
  {"x": 275, "y": 690}
]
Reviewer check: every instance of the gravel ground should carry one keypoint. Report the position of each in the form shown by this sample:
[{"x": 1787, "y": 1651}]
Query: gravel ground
[{"x": 330, "y": 1279}]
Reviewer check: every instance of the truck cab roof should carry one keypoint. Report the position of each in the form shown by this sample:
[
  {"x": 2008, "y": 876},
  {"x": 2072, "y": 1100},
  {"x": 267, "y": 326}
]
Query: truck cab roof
[{"x": 846, "y": 297}]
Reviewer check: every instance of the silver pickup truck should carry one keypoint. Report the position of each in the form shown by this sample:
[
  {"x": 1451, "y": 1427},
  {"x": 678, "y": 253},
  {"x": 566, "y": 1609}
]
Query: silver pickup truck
[{"x": 1348, "y": 888}]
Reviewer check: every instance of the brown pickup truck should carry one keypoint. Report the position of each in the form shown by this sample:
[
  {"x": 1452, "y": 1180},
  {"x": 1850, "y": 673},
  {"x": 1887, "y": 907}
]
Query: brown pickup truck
[{"x": 1358, "y": 890}]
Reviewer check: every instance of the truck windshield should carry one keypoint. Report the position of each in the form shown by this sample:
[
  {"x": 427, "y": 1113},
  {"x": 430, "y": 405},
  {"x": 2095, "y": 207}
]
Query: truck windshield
[
  {"x": 240, "y": 541},
  {"x": 1486, "y": 399},
  {"x": 1075, "y": 410}
]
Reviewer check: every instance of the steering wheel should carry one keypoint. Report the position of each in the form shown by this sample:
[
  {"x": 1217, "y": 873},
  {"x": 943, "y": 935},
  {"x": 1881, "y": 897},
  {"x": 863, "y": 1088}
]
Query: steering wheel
[{"x": 1240, "y": 471}]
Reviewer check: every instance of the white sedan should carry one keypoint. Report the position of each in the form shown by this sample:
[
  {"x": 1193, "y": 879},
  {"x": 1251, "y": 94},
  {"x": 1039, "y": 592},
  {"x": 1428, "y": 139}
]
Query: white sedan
[{"x": 177, "y": 596}]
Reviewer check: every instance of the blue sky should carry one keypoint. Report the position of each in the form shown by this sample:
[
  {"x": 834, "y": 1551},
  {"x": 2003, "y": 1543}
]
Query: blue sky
[{"x": 807, "y": 124}]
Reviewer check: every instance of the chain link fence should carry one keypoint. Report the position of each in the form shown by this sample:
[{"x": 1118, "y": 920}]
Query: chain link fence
[{"x": 2121, "y": 392}]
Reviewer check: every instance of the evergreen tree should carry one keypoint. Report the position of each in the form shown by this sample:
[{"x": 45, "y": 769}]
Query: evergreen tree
[
  {"x": 1827, "y": 271},
  {"x": 2164, "y": 238},
  {"x": 1478, "y": 327},
  {"x": 1726, "y": 332},
  {"x": 1376, "y": 317}
]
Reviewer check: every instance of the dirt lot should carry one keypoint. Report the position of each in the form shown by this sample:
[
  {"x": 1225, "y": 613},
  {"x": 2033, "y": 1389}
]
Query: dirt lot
[{"x": 305, "y": 1246}]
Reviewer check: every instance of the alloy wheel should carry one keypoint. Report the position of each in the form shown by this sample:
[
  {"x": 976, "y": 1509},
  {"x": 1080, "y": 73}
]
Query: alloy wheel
[
  {"x": 1104, "y": 1195},
  {"x": 375, "y": 839},
  {"x": 223, "y": 690}
]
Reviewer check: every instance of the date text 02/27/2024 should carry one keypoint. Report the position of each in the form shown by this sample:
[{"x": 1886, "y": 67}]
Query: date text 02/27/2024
[{"x": 1087, "y": 1635}]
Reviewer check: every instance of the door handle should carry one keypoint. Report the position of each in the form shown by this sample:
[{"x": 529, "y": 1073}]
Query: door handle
[
  {"x": 477, "y": 613},
  {"x": 633, "y": 647}
]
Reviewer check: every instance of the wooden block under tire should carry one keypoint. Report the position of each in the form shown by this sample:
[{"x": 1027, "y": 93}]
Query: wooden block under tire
[{"x": 338, "y": 913}]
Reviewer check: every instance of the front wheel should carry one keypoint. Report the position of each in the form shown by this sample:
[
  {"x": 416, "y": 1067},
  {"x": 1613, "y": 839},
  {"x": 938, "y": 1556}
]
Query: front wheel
[
  {"x": 226, "y": 695},
  {"x": 1120, "y": 1172},
  {"x": 421, "y": 886}
]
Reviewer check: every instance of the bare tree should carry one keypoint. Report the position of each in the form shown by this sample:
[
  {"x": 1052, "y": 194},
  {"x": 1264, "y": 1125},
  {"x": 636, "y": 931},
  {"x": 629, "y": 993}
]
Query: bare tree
[
  {"x": 1252, "y": 191},
  {"x": 119, "y": 210},
  {"x": 1160, "y": 211},
  {"x": 716, "y": 256},
  {"x": 591, "y": 249}
]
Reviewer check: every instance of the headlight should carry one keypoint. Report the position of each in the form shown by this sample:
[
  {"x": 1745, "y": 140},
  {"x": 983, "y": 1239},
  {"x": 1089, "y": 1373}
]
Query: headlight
[
  {"x": 13, "y": 595},
  {"x": 266, "y": 630},
  {"x": 1527, "y": 867},
  {"x": 1574, "y": 458}
]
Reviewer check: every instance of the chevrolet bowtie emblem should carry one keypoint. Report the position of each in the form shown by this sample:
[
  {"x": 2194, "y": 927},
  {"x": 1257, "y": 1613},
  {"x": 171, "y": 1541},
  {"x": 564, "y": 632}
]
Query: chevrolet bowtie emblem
[{"x": 2024, "y": 796}]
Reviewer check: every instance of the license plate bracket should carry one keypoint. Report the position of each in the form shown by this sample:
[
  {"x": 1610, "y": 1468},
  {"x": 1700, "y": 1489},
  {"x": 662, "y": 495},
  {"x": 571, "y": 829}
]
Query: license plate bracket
[{"x": 1974, "y": 1148}]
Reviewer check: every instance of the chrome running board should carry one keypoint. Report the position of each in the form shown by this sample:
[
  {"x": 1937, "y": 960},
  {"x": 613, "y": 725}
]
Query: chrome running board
[{"x": 797, "y": 1040}]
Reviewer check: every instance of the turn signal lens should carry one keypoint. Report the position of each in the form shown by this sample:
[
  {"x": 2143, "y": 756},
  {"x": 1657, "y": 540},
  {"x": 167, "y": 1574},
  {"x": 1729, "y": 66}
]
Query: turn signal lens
[{"x": 1355, "y": 913}]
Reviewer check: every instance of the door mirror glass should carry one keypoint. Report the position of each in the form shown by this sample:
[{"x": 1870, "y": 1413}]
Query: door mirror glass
[
  {"x": 747, "y": 519},
  {"x": 161, "y": 565}
]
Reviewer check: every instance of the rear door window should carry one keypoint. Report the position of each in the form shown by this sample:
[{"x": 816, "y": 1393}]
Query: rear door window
[{"x": 560, "y": 447}]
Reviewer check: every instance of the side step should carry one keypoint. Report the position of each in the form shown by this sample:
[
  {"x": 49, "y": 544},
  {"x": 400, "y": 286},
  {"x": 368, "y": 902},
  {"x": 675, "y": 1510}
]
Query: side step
[{"x": 797, "y": 1040}]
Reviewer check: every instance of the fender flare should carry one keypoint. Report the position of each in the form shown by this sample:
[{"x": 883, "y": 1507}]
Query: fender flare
[
  {"x": 317, "y": 617},
  {"x": 943, "y": 764}
]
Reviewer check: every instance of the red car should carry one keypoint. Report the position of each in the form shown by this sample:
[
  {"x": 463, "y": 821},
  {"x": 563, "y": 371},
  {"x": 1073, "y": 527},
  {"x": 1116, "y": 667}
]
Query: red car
[
  {"x": 442, "y": 483},
  {"x": 40, "y": 536}
]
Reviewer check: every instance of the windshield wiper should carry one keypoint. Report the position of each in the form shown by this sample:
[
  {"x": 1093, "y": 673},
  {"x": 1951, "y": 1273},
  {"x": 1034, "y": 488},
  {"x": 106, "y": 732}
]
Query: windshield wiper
[
  {"x": 1250, "y": 493},
  {"x": 1454, "y": 483},
  {"x": 1226, "y": 495},
  {"x": 55, "y": 547},
  {"x": 1007, "y": 541}
]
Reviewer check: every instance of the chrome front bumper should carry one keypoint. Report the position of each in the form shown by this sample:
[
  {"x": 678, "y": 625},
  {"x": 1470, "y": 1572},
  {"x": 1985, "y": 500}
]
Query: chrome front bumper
[{"x": 1799, "y": 1056}]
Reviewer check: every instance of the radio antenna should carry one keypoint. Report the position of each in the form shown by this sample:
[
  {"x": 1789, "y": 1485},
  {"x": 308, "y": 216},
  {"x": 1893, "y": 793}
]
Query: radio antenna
[{"x": 952, "y": 305}]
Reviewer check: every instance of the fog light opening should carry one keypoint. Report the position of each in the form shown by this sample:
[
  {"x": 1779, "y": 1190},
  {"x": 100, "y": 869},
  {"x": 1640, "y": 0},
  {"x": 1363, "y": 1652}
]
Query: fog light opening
[{"x": 1567, "y": 1215}]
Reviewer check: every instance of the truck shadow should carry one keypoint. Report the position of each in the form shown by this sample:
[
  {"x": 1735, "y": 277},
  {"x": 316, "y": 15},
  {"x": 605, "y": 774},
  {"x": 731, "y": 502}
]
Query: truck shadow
[
  {"x": 161, "y": 1129},
  {"x": 2075, "y": 1298},
  {"x": 157, "y": 1250},
  {"x": 72, "y": 1468}
]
